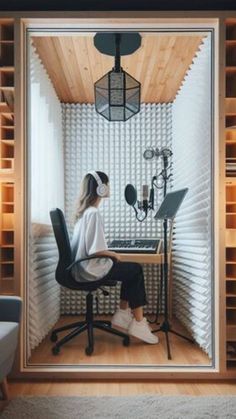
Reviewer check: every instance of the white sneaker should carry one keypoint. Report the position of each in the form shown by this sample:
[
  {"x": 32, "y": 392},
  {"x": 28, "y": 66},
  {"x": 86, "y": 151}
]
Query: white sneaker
[
  {"x": 142, "y": 331},
  {"x": 122, "y": 318}
]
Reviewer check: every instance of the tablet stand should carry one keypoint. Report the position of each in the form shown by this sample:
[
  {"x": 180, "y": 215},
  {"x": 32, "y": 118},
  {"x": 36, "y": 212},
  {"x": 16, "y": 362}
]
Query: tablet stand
[{"x": 168, "y": 211}]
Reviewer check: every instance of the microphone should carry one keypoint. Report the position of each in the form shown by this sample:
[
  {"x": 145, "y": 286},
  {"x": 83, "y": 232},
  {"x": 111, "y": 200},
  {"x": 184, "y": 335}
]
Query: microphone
[
  {"x": 151, "y": 196},
  {"x": 144, "y": 203},
  {"x": 149, "y": 153},
  {"x": 131, "y": 199},
  {"x": 166, "y": 152},
  {"x": 145, "y": 192},
  {"x": 130, "y": 195}
]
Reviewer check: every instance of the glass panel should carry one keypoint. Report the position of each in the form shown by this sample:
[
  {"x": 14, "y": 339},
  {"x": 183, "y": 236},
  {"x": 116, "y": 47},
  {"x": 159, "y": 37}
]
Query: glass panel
[
  {"x": 130, "y": 82},
  {"x": 117, "y": 114},
  {"x": 128, "y": 114},
  {"x": 132, "y": 99},
  {"x": 101, "y": 99},
  {"x": 105, "y": 112},
  {"x": 116, "y": 80},
  {"x": 117, "y": 98},
  {"x": 103, "y": 82}
]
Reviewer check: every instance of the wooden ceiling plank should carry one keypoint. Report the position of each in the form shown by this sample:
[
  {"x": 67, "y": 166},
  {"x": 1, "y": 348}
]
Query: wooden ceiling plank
[
  {"x": 161, "y": 72},
  {"x": 52, "y": 63},
  {"x": 181, "y": 77},
  {"x": 175, "y": 68},
  {"x": 65, "y": 68},
  {"x": 107, "y": 63},
  {"x": 191, "y": 49},
  {"x": 147, "y": 66},
  {"x": 168, "y": 84},
  {"x": 83, "y": 69},
  {"x": 74, "y": 65},
  {"x": 99, "y": 64},
  {"x": 70, "y": 68},
  {"x": 95, "y": 60},
  {"x": 141, "y": 59},
  {"x": 130, "y": 63},
  {"x": 82, "y": 91}
]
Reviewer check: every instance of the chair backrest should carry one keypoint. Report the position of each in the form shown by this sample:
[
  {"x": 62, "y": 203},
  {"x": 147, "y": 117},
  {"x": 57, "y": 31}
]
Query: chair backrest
[
  {"x": 63, "y": 277},
  {"x": 63, "y": 244}
]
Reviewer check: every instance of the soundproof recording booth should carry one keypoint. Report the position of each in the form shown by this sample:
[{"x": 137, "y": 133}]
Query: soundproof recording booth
[{"x": 137, "y": 107}]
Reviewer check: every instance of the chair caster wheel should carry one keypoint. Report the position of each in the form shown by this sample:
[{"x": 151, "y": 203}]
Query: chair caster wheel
[
  {"x": 55, "y": 350},
  {"x": 89, "y": 350},
  {"x": 126, "y": 341},
  {"x": 53, "y": 337}
]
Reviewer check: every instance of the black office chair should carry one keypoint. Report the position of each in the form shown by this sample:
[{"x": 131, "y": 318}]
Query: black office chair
[{"x": 64, "y": 277}]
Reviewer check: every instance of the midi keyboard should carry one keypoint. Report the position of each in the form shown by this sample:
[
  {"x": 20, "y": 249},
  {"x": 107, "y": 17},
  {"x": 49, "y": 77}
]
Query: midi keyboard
[{"x": 135, "y": 245}]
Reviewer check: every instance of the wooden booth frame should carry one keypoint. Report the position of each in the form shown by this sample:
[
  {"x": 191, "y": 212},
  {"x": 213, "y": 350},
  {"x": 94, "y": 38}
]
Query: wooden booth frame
[{"x": 33, "y": 21}]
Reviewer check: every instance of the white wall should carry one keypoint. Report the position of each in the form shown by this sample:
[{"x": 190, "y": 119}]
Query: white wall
[
  {"x": 46, "y": 186},
  {"x": 93, "y": 143},
  {"x": 192, "y": 244}
]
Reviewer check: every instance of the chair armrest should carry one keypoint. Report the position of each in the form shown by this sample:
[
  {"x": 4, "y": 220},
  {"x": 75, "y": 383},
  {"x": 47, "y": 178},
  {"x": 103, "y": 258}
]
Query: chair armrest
[
  {"x": 77, "y": 262},
  {"x": 10, "y": 309}
]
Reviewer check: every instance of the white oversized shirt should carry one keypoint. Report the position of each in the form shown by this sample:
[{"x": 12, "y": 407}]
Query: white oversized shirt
[{"x": 88, "y": 238}]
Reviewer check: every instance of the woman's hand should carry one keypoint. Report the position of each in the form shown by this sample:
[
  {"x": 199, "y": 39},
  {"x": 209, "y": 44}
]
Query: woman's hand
[
  {"x": 107, "y": 253},
  {"x": 116, "y": 256}
]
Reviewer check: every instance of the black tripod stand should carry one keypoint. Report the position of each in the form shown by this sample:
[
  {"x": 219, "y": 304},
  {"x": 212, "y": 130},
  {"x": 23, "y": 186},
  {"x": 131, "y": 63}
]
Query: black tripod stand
[
  {"x": 164, "y": 176},
  {"x": 167, "y": 211}
]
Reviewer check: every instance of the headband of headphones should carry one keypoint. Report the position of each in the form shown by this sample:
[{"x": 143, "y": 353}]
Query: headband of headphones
[{"x": 102, "y": 188}]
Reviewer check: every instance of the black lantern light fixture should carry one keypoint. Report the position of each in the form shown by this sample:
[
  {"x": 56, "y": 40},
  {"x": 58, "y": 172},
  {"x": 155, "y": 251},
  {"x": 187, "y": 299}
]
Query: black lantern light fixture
[{"x": 117, "y": 93}]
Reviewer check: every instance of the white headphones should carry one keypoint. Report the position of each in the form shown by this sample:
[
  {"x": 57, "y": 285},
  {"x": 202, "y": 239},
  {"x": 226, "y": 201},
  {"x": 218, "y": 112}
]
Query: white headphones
[{"x": 102, "y": 189}]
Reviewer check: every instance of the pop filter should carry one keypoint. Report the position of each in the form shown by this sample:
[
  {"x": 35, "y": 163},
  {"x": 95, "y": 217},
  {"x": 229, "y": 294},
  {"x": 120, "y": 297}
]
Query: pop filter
[{"x": 130, "y": 195}]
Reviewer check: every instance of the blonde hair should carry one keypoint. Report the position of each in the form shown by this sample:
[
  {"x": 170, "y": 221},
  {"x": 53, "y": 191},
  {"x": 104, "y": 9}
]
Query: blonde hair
[{"x": 88, "y": 194}]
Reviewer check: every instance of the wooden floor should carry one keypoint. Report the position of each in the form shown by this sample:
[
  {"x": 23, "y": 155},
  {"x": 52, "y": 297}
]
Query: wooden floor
[
  {"x": 110, "y": 351},
  {"x": 66, "y": 388}
]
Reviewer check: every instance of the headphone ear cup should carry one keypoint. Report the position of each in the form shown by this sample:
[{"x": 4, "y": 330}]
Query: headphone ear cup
[{"x": 102, "y": 190}]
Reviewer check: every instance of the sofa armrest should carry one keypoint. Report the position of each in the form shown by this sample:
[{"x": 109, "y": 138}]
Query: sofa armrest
[{"x": 10, "y": 308}]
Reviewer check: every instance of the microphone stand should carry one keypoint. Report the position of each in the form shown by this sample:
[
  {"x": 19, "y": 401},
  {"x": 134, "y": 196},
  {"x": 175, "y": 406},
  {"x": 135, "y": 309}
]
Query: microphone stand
[
  {"x": 165, "y": 178},
  {"x": 165, "y": 326}
]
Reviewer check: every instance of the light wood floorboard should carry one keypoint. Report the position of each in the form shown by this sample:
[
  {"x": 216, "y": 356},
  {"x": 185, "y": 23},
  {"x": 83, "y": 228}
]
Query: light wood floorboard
[
  {"x": 67, "y": 388},
  {"x": 109, "y": 350}
]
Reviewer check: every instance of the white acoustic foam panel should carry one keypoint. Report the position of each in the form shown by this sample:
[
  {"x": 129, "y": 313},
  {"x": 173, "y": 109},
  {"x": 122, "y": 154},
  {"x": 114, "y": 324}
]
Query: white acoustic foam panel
[
  {"x": 44, "y": 292},
  {"x": 192, "y": 242},
  {"x": 46, "y": 186},
  {"x": 92, "y": 143}
]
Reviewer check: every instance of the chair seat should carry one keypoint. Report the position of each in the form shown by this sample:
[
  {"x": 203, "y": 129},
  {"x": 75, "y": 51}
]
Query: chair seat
[{"x": 90, "y": 286}]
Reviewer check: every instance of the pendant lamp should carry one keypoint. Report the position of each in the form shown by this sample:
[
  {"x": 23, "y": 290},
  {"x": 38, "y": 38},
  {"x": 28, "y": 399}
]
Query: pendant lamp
[{"x": 117, "y": 93}]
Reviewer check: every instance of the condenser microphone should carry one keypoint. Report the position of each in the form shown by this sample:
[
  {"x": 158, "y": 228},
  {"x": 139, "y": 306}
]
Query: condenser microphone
[
  {"x": 145, "y": 198},
  {"x": 150, "y": 152},
  {"x": 145, "y": 192},
  {"x": 166, "y": 152},
  {"x": 151, "y": 195},
  {"x": 130, "y": 195},
  {"x": 151, "y": 199}
]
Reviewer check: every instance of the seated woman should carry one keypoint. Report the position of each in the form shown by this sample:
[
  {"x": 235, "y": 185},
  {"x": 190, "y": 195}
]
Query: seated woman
[{"x": 89, "y": 239}]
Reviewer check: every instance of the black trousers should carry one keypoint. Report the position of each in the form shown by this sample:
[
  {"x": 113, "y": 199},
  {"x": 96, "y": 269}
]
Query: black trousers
[{"x": 132, "y": 287}]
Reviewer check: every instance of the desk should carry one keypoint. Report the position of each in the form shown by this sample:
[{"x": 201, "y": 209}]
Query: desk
[{"x": 153, "y": 258}]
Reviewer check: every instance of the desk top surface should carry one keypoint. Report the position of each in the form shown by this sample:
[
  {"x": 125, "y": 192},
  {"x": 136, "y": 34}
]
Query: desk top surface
[{"x": 155, "y": 258}]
